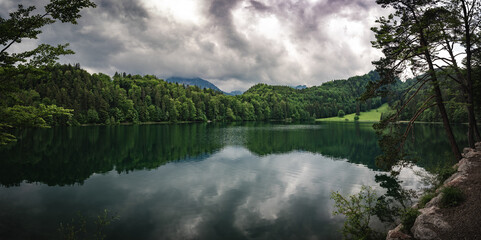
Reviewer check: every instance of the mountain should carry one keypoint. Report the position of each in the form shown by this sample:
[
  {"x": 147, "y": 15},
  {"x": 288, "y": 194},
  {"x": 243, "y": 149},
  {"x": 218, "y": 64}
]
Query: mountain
[
  {"x": 199, "y": 82},
  {"x": 299, "y": 87},
  {"x": 235, "y": 93}
]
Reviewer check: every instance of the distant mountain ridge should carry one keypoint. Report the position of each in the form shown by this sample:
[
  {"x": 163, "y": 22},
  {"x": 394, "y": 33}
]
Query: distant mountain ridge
[
  {"x": 299, "y": 87},
  {"x": 201, "y": 83},
  {"x": 235, "y": 93}
]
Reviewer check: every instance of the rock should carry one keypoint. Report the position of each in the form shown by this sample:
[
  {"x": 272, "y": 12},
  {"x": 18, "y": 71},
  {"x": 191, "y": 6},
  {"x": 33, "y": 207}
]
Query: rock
[
  {"x": 428, "y": 223},
  {"x": 456, "y": 175},
  {"x": 478, "y": 146},
  {"x": 463, "y": 165},
  {"x": 457, "y": 181},
  {"x": 472, "y": 154},
  {"x": 435, "y": 201},
  {"x": 396, "y": 234}
]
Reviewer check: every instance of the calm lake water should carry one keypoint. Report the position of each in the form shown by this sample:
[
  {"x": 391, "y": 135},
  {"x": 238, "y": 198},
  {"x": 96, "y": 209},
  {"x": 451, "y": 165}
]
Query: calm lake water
[{"x": 195, "y": 181}]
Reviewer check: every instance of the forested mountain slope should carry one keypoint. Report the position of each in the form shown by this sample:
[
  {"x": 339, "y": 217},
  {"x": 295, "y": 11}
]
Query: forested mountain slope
[{"x": 100, "y": 99}]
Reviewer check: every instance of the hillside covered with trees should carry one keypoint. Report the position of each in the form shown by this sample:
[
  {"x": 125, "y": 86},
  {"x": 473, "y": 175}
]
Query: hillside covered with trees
[{"x": 125, "y": 98}]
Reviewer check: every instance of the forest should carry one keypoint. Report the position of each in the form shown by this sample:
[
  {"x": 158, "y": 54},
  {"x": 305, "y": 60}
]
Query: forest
[{"x": 99, "y": 99}]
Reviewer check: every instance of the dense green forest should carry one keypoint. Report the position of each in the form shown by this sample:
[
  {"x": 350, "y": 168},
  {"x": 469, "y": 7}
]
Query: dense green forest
[
  {"x": 100, "y": 99},
  {"x": 401, "y": 91}
]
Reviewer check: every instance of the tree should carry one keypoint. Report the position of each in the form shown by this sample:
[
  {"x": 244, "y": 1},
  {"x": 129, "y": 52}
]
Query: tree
[
  {"x": 20, "y": 25},
  {"x": 409, "y": 39},
  {"x": 92, "y": 116},
  {"x": 358, "y": 210},
  {"x": 458, "y": 21},
  {"x": 341, "y": 113}
]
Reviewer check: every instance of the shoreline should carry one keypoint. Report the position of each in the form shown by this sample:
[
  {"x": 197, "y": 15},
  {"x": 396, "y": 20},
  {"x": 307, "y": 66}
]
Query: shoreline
[{"x": 455, "y": 222}]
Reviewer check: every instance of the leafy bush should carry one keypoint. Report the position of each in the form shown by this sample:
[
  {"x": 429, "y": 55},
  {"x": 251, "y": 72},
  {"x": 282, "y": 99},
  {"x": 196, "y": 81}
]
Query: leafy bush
[
  {"x": 444, "y": 173},
  {"x": 408, "y": 218},
  {"x": 358, "y": 210},
  {"x": 356, "y": 118},
  {"x": 452, "y": 196},
  {"x": 341, "y": 113},
  {"x": 426, "y": 198}
]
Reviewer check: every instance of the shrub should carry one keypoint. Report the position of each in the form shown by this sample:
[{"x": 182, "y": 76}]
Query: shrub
[
  {"x": 408, "y": 218},
  {"x": 92, "y": 116},
  {"x": 444, "y": 173},
  {"x": 426, "y": 198},
  {"x": 341, "y": 113},
  {"x": 356, "y": 118},
  {"x": 452, "y": 196},
  {"x": 358, "y": 210}
]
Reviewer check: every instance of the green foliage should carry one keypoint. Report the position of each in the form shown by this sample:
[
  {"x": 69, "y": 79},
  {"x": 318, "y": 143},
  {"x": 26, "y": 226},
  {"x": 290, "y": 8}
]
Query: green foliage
[
  {"x": 408, "y": 218},
  {"x": 341, "y": 113},
  {"x": 451, "y": 196},
  {"x": 396, "y": 201},
  {"x": 39, "y": 116},
  {"x": 320, "y": 101},
  {"x": 394, "y": 189},
  {"x": 99, "y": 99},
  {"x": 425, "y": 198},
  {"x": 18, "y": 109},
  {"x": 23, "y": 24},
  {"x": 92, "y": 116},
  {"x": 358, "y": 210},
  {"x": 443, "y": 173},
  {"x": 374, "y": 115},
  {"x": 407, "y": 38}
]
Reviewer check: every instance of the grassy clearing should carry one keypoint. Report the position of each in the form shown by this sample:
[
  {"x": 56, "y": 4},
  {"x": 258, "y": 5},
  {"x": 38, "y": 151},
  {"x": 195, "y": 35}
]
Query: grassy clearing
[{"x": 372, "y": 116}]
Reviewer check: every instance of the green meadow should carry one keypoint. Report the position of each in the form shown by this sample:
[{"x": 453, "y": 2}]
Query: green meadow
[{"x": 371, "y": 116}]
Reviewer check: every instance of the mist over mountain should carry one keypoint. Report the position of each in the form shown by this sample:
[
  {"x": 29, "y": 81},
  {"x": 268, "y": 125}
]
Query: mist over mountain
[{"x": 201, "y": 83}]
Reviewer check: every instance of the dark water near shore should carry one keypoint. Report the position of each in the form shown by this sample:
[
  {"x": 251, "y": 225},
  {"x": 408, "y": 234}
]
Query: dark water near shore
[{"x": 195, "y": 181}]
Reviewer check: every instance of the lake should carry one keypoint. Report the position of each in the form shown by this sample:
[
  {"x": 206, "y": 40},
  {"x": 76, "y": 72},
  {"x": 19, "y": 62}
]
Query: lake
[{"x": 196, "y": 181}]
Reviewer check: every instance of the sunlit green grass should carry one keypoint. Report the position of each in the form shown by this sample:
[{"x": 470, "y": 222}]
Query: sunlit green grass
[{"x": 372, "y": 116}]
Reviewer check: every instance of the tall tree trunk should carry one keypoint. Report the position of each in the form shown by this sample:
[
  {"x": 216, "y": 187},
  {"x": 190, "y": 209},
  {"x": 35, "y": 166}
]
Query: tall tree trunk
[
  {"x": 444, "y": 115},
  {"x": 472, "y": 127},
  {"x": 439, "y": 97}
]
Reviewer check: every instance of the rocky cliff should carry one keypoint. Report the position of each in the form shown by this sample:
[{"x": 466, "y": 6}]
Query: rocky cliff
[{"x": 458, "y": 222}]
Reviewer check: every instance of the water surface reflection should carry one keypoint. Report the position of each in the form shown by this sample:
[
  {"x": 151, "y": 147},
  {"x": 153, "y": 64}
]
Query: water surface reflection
[{"x": 194, "y": 181}]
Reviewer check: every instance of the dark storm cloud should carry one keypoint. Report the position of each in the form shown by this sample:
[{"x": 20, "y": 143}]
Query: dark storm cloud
[
  {"x": 259, "y": 6},
  {"x": 124, "y": 9},
  {"x": 220, "y": 12},
  {"x": 222, "y": 42}
]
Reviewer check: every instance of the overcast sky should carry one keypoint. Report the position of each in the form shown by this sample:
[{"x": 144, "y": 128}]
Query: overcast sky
[{"x": 232, "y": 43}]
